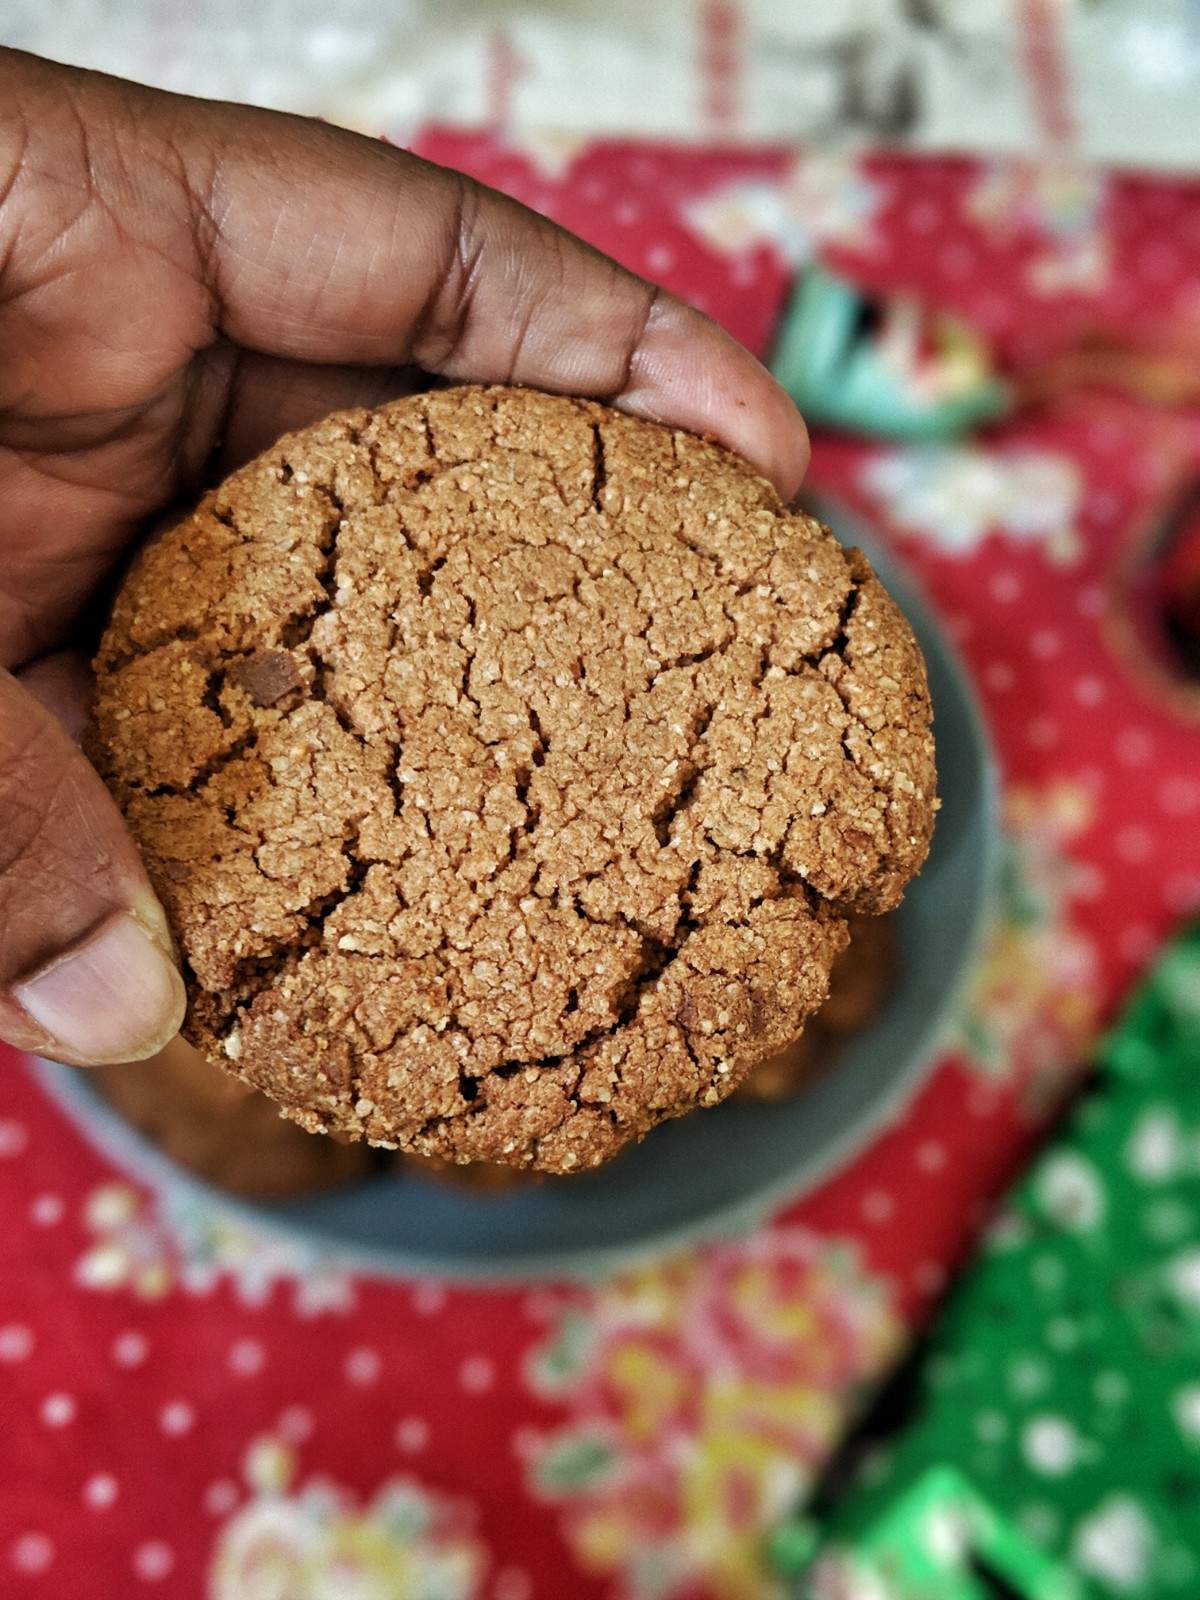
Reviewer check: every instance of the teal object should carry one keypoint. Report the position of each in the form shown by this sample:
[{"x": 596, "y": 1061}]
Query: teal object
[
  {"x": 712, "y": 1174},
  {"x": 852, "y": 363},
  {"x": 1064, "y": 1379}
]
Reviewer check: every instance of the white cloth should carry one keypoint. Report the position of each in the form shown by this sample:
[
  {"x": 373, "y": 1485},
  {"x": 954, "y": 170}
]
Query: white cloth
[{"x": 1114, "y": 81}]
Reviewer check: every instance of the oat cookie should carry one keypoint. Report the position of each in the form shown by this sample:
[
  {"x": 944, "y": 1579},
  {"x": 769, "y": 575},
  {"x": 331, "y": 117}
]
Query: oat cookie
[
  {"x": 224, "y": 1131},
  {"x": 507, "y": 767}
]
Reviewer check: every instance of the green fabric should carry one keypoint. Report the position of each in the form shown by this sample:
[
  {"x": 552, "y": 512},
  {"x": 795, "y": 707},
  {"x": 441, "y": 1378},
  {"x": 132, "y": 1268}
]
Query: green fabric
[{"x": 1063, "y": 1383}]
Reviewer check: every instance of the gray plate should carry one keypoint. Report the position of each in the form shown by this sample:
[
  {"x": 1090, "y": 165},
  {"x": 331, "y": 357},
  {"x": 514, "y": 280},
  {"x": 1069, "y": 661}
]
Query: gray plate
[{"x": 715, "y": 1172}]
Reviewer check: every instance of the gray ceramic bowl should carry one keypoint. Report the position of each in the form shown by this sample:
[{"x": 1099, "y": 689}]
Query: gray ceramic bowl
[{"x": 712, "y": 1173}]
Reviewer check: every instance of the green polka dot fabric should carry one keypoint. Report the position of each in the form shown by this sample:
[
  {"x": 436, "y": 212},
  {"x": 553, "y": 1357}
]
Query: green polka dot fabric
[{"x": 1063, "y": 1384}]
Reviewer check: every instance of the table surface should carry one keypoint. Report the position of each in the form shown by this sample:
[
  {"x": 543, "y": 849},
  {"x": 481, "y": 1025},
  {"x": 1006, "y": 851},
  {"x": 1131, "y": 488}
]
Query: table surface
[{"x": 195, "y": 1409}]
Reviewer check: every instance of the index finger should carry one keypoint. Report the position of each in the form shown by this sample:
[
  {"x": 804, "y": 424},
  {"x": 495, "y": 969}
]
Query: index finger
[{"x": 325, "y": 246}]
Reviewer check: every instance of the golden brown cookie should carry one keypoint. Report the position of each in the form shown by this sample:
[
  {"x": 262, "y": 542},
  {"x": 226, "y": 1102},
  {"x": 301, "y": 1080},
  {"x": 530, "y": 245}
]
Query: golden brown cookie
[
  {"x": 224, "y": 1131},
  {"x": 861, "y": 980},
  {"x": 507, "y": 766}
]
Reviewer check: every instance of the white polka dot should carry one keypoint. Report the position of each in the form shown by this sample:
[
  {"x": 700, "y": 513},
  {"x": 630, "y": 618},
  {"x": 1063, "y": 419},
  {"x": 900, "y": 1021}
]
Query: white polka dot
[
  {"x": 593, "y": 191},
  {"x": 999, "y": 676},
  {"x": 295, "y": 1424},
  {"x": 1181, "y": 893},
  {"x": 744, "y": 272},
  {"x": 1134, "y": 747},
  {"x": 1051, "y": 1445},
  {"x": 31, "y": 1553},
  {"x": 878, "y": 1206},
  {"x": 1135, "y": 845},
  {"x": 1047, "y": 1272},
  {"x": 991, "y": 1426},
  {"x": 130, "y": 1349},
  {"x": 931, "y": 1155},
  {"x": 1137, "y": 944},
  {"x": 1005, "y": 587},
  {"x": 627, "y": 213},
  {"x": 16, "y": 1342},
  {"x": 1180, "y": 797},
  {"x": 220, "y": 1497},
  {"x": 1046, "y": 644},
  {"x": 59, "y": 1410},
  {"x": 930, "y": 1277},
  {"x": 246, "y": 1357},
  {"x": 412, "y": 1434},
  {"x": 46, "y": 1210},
  {"x": 1043, "y": 733},
  {"x": 1028, "y": 1376},
  {"x": 660, "y": 258},
  {"x": 1062, "y": 1333},
  {"x": 153, "y": 1561},
  {"x": 363, "y": 1366},
  {"x": 429, "y": 1299},
  {"x": 513, "y": 1584},
  {"x": 476, "y": 1375},
  {"x": 1111, "y": 1388},
  {"x": 1090, "y": 691},
  {"x": 176, "y": 1418},
  {"x": 14, "y": 1139},
  {"x": 100, "y": 1491},
  {"x": 1091, "y": 601}
]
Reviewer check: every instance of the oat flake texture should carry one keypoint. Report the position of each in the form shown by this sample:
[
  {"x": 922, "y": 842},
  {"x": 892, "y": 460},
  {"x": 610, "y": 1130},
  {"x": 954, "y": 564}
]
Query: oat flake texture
[{"x": 507, "y": 767}]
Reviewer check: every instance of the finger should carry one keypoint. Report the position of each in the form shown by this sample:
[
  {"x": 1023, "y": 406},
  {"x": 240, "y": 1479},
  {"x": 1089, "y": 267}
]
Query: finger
[
  {"x": 320, "y": 245},
  {"x": 271, "y": 396},
  {"x": 62, "y": 683},
  {"x": 86, "y": 968}
]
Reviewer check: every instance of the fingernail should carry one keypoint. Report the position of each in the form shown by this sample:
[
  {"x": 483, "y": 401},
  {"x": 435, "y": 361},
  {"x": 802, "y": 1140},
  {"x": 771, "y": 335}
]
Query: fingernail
[{"x": 114, "y": 997}]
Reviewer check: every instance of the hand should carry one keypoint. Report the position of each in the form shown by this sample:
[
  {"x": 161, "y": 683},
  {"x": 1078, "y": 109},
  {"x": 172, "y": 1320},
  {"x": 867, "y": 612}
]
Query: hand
[{"x": 181, "y": 282}]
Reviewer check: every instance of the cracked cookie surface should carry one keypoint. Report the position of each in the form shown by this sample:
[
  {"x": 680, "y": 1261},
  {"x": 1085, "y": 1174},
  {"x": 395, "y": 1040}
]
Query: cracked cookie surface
[{"x": 507, "y": 767}]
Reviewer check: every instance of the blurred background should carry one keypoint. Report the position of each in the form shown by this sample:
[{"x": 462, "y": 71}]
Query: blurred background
[{"x": 958, "y": 1361}]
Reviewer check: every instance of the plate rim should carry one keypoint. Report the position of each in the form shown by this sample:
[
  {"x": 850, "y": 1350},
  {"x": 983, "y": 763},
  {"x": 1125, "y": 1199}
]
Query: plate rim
[{"x": 173, "y": 1185}]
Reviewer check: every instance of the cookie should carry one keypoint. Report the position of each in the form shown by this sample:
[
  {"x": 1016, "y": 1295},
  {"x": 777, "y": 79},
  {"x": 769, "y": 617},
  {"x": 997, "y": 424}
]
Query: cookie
[
  {"x": 507, "y": 767},
  {"x": 859, "y": 984},
  {"x": 477, "y": 1177},
  {"x": 224, "y": 1131}
]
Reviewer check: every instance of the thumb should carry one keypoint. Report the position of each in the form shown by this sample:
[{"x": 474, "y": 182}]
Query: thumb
[{"x": 87, "y": 973}]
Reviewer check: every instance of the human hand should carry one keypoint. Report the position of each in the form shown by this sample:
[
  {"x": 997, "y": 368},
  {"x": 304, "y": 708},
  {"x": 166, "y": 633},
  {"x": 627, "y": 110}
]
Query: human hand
[{"x": 180, "y": 283}]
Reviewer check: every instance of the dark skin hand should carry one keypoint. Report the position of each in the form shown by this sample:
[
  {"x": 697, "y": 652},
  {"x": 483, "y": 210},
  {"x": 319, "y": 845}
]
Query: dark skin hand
[{"x": 181, "y": 282}]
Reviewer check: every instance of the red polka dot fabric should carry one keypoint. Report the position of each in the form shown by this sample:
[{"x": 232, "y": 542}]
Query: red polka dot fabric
[{"x": 196, "y": 1410}]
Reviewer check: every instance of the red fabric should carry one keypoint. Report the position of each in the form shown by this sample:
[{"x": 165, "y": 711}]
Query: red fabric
[{"x": 171, "y": 1397}]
